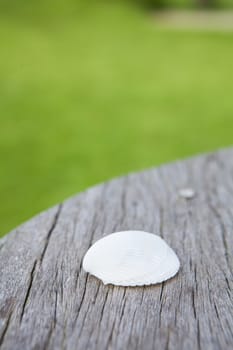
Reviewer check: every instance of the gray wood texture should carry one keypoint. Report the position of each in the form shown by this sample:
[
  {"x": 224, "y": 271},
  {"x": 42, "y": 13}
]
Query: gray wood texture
[{"x": 48, "y": 302}]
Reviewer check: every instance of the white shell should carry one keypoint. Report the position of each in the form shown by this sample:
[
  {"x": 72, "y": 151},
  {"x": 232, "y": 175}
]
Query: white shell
[
  {"x": 187, "y": 193},
  {"x": 131, "y": 258}
]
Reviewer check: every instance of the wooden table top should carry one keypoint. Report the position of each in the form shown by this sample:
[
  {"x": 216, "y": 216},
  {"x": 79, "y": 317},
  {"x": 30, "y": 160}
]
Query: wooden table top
[{"x": 47, "y": 301}]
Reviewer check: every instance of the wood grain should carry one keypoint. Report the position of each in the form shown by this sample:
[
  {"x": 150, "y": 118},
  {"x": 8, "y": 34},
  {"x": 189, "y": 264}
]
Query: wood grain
[{"x": 48, "y": 302}]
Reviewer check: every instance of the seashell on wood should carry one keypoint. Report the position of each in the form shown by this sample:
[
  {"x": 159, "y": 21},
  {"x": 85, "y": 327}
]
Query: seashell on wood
[{"x": 131, "y": 258}]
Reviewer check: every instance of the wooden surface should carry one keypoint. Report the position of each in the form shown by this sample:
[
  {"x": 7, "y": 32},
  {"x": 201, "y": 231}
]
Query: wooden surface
[{"x": 48, "y": 302}]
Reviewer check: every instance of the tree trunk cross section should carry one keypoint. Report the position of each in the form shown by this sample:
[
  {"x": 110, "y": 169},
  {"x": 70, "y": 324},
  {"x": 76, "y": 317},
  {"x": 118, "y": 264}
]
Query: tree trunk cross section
[{"x": 47, "y": 301}]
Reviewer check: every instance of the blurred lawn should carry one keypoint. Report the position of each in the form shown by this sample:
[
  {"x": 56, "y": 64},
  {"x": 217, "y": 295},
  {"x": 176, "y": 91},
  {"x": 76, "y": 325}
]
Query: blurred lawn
[{"x": 88, "y": 95}]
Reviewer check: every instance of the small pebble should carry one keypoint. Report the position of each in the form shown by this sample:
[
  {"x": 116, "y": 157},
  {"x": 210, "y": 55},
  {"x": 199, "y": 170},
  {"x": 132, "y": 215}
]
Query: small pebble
[{"x": 187, "y": 193}]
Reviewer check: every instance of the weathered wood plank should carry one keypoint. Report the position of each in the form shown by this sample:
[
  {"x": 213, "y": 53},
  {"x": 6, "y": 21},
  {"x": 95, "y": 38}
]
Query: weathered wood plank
[{"x": 48, "y": 302}]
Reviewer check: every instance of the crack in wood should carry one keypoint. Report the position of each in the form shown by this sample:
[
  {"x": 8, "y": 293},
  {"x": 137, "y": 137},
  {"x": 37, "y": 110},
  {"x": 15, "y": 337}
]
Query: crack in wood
[
  {"x": 178, "y": 304},
  {"x": 213, "y": 158},
  {"x": 161, "y": 303},
  {"x": 109, "y": 341},
  {"x": 110, "y": 338},
  {"x": 6, "y": 313},
  {"x": 50, "y": 233},
  {"x": 131, "y": 329},
  {"x": 28, "y": 291},
  {"x": 104, "y": 306},
  {"x": 54, "y": 323},
  {"x": 6, "y": 327},
  {"x": 102, "y": 315},
  {"x": 193, "y": 303},
  {"x": 167, "y": 340},
  {"x": 123, "y": 305},
  {"x": 88, "y": 307},
  {"x": 82, "y": 297},
  {"x": 32, "y": 273},
  {"x": 198, "y": 335},
  {"x": 222, "y": 230}
]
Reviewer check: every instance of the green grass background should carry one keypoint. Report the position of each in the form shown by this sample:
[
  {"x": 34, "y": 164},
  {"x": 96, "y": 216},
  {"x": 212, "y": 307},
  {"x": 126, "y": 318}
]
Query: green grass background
[{"x": 87, "y": 94}]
